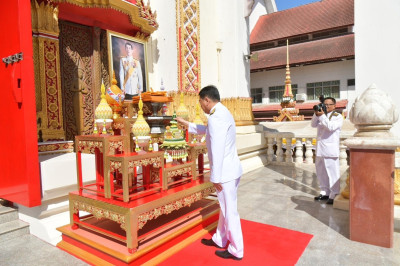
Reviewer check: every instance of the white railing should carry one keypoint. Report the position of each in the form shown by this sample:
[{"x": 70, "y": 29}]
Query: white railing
[
  {"x": 301, "y": 149},
  {"x": 295, "y": 142}
]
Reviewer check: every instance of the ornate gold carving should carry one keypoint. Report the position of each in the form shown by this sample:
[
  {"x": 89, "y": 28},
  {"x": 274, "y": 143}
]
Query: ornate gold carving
[
  {"x": 241, "y": 109},
  {"x": 56, "y": 147},
  {"x": 142, "y": 36},
  {"x": 97, "y": 81},
  {"x": 115, "y": 166},
  {"x": 176, "y": 205},
  {"x": 116, "y": 146},
  {"x": 155, "y": 162},
  {"x": 99, "y": 213},
  {"x": 189, "y": 45},
  {"x": 48, "y": 88},
  {"x": 77, "y": 79},
  {"x": 44, "y": 18},
  {"x": 190, "y": 100},
  {"x": 140, "y": 15},
  {"x": 89, "y": 146},
  {"x": 179, "y": 172}
]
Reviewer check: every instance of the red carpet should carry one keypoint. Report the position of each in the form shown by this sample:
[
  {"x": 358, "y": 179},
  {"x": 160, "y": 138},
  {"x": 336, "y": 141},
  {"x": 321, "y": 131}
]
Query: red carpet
[{"x": 263, "y": 245}]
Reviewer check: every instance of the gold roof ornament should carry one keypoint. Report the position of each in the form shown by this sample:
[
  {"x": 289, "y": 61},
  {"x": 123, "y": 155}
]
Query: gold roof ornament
[
  {"x": 287, "y": 95},
  {"x": 182, "y": 111},
  {"x": 103, "y": 110},
  {"x": 288, "y": 111},
  {"x": 140, "y": 127}
]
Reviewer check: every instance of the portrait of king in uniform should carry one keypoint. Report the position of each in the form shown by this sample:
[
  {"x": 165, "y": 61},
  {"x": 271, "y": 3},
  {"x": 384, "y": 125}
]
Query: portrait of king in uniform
[{"x": 128, "y": 61}]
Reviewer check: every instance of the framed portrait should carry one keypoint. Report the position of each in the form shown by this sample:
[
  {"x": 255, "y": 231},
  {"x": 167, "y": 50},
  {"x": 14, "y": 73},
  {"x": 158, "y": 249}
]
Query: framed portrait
[{"x": 127, "y": 58}]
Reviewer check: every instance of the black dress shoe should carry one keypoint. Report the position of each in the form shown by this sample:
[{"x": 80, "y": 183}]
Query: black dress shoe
[
  {"x": 320, "y": 197},
  {"x": 330, "y": 201},
  {"x": 226, "y": 255},
  {"x": 209, "y": 242}
]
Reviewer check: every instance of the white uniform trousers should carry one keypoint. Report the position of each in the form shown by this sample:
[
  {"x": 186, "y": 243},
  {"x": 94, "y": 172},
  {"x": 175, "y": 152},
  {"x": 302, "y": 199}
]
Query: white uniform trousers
[
  {"x": 328, "y": 173},
  {"x": 229, "y": 228}
]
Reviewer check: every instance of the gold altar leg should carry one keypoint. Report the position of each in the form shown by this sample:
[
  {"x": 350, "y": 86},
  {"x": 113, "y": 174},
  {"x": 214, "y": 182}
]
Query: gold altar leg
[
  {"x": 107, "y": 177},
  {"x": 125, "y": 181},
  {"x": 131, "y": 232}
]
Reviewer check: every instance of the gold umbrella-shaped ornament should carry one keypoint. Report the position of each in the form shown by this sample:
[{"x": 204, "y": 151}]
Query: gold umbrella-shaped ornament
[
  {"x": 103, "y": 113},
  {"x": 140, "y": 129}
]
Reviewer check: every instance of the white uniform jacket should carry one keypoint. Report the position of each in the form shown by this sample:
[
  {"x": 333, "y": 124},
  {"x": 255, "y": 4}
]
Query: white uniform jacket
[
  {"x": 221, "y": 144},
  {"x": 130, "y": 73},
  {"x": 328, "y": 133}
]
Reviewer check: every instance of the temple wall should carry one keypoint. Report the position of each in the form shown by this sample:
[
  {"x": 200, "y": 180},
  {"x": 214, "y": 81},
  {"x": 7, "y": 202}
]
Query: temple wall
[
  {"x": 162, "y": 47},
  {"x": 341, "y": 70},
  {"x": 377, "y": 47},
  {"x": 221, "y": 62},
  {"x": 223, "y": 46},
  {"x": 259, "y": 9}
]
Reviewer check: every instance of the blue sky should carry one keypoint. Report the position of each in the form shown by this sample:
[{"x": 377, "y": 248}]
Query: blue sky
[{"x": 286, "y": 4}]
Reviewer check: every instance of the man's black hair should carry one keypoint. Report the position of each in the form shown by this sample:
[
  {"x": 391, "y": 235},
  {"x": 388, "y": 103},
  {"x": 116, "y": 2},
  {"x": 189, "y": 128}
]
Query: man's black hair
[
  {"x": 211, "y": 92},
  {"x": 128, "y": 44},
  {"x": 330, "y": 98}
]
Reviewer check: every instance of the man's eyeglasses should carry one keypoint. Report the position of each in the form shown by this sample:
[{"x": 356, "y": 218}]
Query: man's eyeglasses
[{"x": 328, "y": 104}]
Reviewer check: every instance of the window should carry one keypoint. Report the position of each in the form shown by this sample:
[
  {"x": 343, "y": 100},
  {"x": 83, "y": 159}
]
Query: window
[
  {"x": 351, "y": 82},
  {"x": 326, "y": 88},
  {"x": 256, "y": 94},
  {"x": 276, "y": 93}
]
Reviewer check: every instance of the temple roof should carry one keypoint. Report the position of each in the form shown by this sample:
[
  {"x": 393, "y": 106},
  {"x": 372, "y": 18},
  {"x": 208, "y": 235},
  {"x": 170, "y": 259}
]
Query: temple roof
[
  {"x": 314, "y": 17},
  {"x": 324, "y": 50},
  {"x": 129, "y": 17}
]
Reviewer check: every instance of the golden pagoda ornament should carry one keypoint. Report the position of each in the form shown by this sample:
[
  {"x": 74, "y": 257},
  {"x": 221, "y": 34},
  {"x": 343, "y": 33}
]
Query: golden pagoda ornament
[
  {"x": 115, "y": 97},
  {"x": 182, "y": 111},
  {"x": 103, "y": 113},
  {"x": 174, "y": 143},
  {"x": 288, "y": 111},
  {"x": 140, "y": 129}
]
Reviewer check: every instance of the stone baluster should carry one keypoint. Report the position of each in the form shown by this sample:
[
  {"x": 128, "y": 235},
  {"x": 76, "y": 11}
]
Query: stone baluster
[
  {"x": 270, "y": 150},
  {"x": 342, "y": 154},
  {"x": 299, "y": 151},
  {"x": 279, "y": 151},
  {"x": 309, "y": 153},
  {"x": 289, "y": 152}
]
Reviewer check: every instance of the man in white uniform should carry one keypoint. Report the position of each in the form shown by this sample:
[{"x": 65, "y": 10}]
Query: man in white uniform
[
  {"x": 327, "y": 153},
  {"x": 226, "y": 171},
  {"x": 130, "y": 74}
]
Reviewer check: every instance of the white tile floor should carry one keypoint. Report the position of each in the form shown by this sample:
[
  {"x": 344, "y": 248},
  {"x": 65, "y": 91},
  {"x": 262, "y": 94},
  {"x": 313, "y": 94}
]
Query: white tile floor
[{"x": 275, "y": 195}]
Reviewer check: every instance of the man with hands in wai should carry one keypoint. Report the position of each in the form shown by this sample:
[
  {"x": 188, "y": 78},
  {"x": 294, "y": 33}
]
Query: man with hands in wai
[{"x": 226, "y": 171}]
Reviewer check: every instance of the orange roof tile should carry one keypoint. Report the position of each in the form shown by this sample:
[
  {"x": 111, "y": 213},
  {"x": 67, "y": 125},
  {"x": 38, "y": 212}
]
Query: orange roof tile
[
  {"x": 323, "y": 50},
  {"x": 314, "y": 17}
]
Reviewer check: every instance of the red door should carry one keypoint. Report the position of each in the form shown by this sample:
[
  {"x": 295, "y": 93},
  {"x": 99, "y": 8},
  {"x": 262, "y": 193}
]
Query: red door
[{"x": 19, "y": 162}]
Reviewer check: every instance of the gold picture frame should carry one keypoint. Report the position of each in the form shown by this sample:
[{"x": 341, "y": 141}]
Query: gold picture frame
[{"x": 128, "y": 58}]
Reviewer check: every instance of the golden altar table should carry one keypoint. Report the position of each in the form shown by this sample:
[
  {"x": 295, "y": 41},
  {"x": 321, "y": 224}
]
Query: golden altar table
[
  {"x": 101, "y": 146},
  {"x": 125, "y": 164},
  {"x": 134, "y": 215}
]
